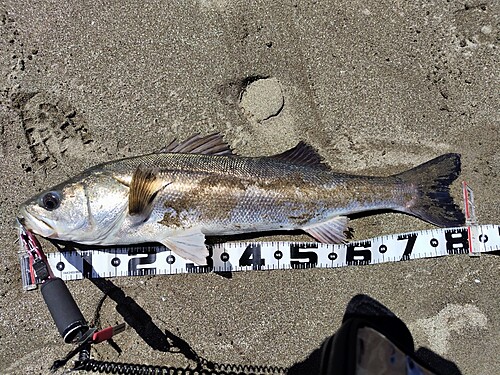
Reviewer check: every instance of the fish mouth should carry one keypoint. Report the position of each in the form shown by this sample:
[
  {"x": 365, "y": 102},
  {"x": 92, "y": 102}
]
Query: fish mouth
[{"x": 42, "y": 227}]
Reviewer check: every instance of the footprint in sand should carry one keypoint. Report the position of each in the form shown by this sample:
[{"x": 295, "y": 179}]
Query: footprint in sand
[{"x": 52, "y": 128}]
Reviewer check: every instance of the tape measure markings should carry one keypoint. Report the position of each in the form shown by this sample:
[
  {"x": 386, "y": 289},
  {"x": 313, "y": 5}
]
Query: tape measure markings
[{"x": 247, "y": 256}]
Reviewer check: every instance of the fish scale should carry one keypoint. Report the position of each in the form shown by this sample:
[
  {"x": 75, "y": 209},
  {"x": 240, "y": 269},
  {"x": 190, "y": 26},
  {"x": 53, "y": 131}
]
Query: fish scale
[{"x": 273, "y": 181}]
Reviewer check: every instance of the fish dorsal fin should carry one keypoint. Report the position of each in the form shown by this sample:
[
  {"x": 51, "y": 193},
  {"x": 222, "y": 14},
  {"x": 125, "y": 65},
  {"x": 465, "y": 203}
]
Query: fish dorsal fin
[
  {"x": 144, "y": 186},
  {"x": 212, "y": 144},
  {"x": 331, "y": 231},
  {"x": 302, "y": 154}
]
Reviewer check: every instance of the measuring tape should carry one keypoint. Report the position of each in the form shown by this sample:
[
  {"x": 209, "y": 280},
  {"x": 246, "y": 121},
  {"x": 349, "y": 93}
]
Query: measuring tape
[
  {"x": 471, "y": 239},
  {"x": 229, "y": 257}
]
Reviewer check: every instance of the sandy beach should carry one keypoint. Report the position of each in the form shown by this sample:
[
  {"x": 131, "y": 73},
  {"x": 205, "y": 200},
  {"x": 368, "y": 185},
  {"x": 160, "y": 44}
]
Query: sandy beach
[{"x": 376, "y": 87}]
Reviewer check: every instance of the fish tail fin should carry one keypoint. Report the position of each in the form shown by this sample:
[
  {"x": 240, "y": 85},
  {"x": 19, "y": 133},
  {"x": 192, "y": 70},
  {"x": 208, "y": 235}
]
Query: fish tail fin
[{"x": 433, "y": 202}]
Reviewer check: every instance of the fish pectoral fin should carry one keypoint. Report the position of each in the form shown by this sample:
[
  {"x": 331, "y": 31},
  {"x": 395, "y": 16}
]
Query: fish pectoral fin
[
  {"x": 144, "y": 186},
  {"x": 212, "y": 144},
  {"x": 331, "y": 231},
  {"x": 189, "y": 245}
]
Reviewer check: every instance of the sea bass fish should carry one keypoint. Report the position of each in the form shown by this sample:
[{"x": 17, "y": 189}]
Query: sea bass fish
[{"x": 199, "y": 188}]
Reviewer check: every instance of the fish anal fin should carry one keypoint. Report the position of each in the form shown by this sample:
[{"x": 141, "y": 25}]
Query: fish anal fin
[
  {"x": 331, "y": 231},
  {"x": 302, "y": 154},
  {"x": 188, "y": 245},
  {"x": 212, "y": 144},
  {"x": 144, "y": 186}
]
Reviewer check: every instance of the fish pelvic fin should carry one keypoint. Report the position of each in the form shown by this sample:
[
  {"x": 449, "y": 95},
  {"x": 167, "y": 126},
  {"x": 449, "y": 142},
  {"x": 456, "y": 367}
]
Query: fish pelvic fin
[
  {"x": 144, "y": 186},
  {"x": 331, "y": 231},
  {"x": 432, "y": 180},
  {"x": 189, "y": 245}
]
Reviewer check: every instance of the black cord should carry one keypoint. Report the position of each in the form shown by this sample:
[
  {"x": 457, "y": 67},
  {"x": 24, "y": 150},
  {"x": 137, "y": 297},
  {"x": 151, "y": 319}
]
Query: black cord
[
  {"x": 142, "y": 323},
  {"x": 207, "y": 368}
]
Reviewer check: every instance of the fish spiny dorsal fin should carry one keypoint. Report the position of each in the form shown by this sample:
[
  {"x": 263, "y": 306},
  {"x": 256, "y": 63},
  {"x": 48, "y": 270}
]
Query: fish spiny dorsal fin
[
  {"x": 302, "y": 154},
  {"x": 144, "y": 187},
  {"x": 212, "y": 144}
]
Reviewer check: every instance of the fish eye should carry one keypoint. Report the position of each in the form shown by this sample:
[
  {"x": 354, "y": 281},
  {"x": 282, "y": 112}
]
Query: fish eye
[{"x": 50, "y": 201}]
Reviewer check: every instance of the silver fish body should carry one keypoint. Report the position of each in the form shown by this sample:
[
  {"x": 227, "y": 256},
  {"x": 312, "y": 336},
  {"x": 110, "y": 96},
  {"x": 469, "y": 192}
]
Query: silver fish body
[{"x": 199, "y": 188}]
